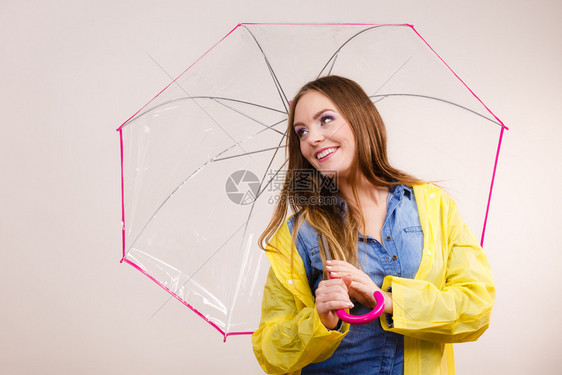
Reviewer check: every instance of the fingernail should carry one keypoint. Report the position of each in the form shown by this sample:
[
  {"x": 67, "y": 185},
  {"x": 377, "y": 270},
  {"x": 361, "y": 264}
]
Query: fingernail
[
  {"x": 333, "y": 273},
  {"x": 329, "y": 267},
  {"x": 350, "y": 305},
  {"x": 328, "y": 262}
]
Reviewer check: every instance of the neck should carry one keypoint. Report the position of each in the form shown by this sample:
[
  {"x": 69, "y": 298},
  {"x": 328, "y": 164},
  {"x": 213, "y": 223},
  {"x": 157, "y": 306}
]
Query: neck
[{"x": 367, "y": 193}]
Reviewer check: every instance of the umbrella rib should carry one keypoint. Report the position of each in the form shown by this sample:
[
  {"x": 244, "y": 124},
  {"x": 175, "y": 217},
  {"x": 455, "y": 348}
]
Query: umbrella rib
[
  {"x": 202, "y": 97},
  {"x": 346, "y": 42},
  {"x": 245, "y": 115},
  {"x": 382, "y": 96},
  {"x": 280, "y": 91},
  {"x": 268, "y": 166},
  {"x": 250, "y": 137},
  {"x": 200, "y": 267},
  {"x": 271, "y": 179},
  {"x": 333, "y": 63},
  {"x": 278, "y": 87},
  {"x": 247, "y": 153},
  {"x": 396, "y": 72}
]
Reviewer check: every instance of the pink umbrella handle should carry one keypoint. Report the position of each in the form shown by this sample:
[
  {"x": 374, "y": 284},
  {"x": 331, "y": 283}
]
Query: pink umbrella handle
[{"x": 366, "y": 318}]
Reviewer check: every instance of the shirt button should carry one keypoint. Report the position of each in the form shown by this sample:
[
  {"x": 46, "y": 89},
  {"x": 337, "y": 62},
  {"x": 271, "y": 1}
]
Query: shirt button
[
  {"x": 388, "y": 238},
  {"x": 394, "y": 257}
]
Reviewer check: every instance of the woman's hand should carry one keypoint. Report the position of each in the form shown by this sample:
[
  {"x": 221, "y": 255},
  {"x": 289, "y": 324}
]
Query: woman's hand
[
  {"x": 362, "y": 288},
  {"x": 332, "y": 295}
]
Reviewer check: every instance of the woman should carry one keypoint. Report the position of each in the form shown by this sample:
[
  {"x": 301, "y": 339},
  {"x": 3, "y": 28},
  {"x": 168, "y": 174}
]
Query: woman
[{"x": 361, "y": 226}]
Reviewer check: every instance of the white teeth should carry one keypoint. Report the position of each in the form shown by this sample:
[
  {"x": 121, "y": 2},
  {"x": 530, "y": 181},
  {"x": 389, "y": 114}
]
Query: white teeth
[{"x": 325, "y": 153}]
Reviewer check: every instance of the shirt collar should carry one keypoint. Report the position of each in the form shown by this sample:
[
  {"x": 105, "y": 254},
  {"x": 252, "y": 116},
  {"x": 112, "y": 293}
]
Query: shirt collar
[
  {"x": 397, "y": 192},
  {"x": 400, "y": 191}
]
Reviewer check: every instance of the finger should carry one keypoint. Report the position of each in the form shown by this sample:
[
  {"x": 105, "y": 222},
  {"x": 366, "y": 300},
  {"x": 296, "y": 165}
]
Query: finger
[
  {"x": 334, "y": 305},
  {"x": 327, "y": 295},
  {"x": 343, "y": 278},
  {"x": 330, "y": 282},
  {"x": 338, "y": 264},
  {"x": 333, "y": 291},
  {"x": 342, "y": 267},
  {"x": 328, "y": 305},
  {"x": 340, "y": 275},
  {"x": 347, "y": 279},
  {"x": 333, "y": 284},
  {"x": 332, "y": 294}
]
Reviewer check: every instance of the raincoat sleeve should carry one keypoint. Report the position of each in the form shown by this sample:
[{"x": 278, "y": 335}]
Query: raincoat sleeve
[
  {"x": 454, "y": 301},
  {"x": 290, "y": 335}
]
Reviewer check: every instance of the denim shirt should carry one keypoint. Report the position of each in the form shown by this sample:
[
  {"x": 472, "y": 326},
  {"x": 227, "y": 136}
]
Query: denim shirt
[{"x": 367, "y": 348}]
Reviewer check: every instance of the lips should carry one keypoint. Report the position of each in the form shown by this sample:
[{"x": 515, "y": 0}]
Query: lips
[{"x": 325, "y": 152}]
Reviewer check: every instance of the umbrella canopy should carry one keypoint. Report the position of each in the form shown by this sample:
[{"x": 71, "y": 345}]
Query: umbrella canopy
[{"x": 202, "y": 163}]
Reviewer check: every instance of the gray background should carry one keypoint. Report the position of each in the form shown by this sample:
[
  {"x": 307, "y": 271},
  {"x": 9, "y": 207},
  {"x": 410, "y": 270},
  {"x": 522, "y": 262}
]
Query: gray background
[{"x": 73, "y": 71}]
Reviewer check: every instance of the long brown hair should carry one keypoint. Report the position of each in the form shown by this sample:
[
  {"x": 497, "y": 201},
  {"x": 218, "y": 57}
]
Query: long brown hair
[{"x": 318, "y": 202}]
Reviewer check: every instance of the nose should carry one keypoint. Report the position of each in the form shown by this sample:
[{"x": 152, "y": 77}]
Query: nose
[{"x": 316, "y": 136}]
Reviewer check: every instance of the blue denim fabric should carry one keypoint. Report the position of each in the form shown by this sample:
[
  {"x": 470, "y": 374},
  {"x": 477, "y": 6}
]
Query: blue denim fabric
[{"x": 368, "y": 349}]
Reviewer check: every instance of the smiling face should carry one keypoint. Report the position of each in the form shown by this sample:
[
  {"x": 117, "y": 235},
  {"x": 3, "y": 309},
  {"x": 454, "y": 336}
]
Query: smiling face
[{"x": 325, "y": 137}]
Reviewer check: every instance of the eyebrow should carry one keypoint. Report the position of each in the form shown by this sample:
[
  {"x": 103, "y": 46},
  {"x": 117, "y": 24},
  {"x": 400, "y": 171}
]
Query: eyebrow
[{"x": 315, "y": 117}]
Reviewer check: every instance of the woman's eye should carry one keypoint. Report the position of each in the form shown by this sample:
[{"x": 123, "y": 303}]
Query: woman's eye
[
  {"x": 326, "y": 119},
  {"x": 300, "y": 132}
]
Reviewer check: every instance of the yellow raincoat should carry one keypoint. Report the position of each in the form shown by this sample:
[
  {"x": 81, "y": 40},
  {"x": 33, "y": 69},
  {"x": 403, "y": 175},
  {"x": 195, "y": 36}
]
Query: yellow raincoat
[{"x": 449, "y": 300}]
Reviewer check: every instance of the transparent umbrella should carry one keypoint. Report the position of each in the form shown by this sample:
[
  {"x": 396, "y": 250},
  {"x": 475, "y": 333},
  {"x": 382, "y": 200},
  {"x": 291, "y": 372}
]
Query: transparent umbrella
[{"x": 202, "y": 162}]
